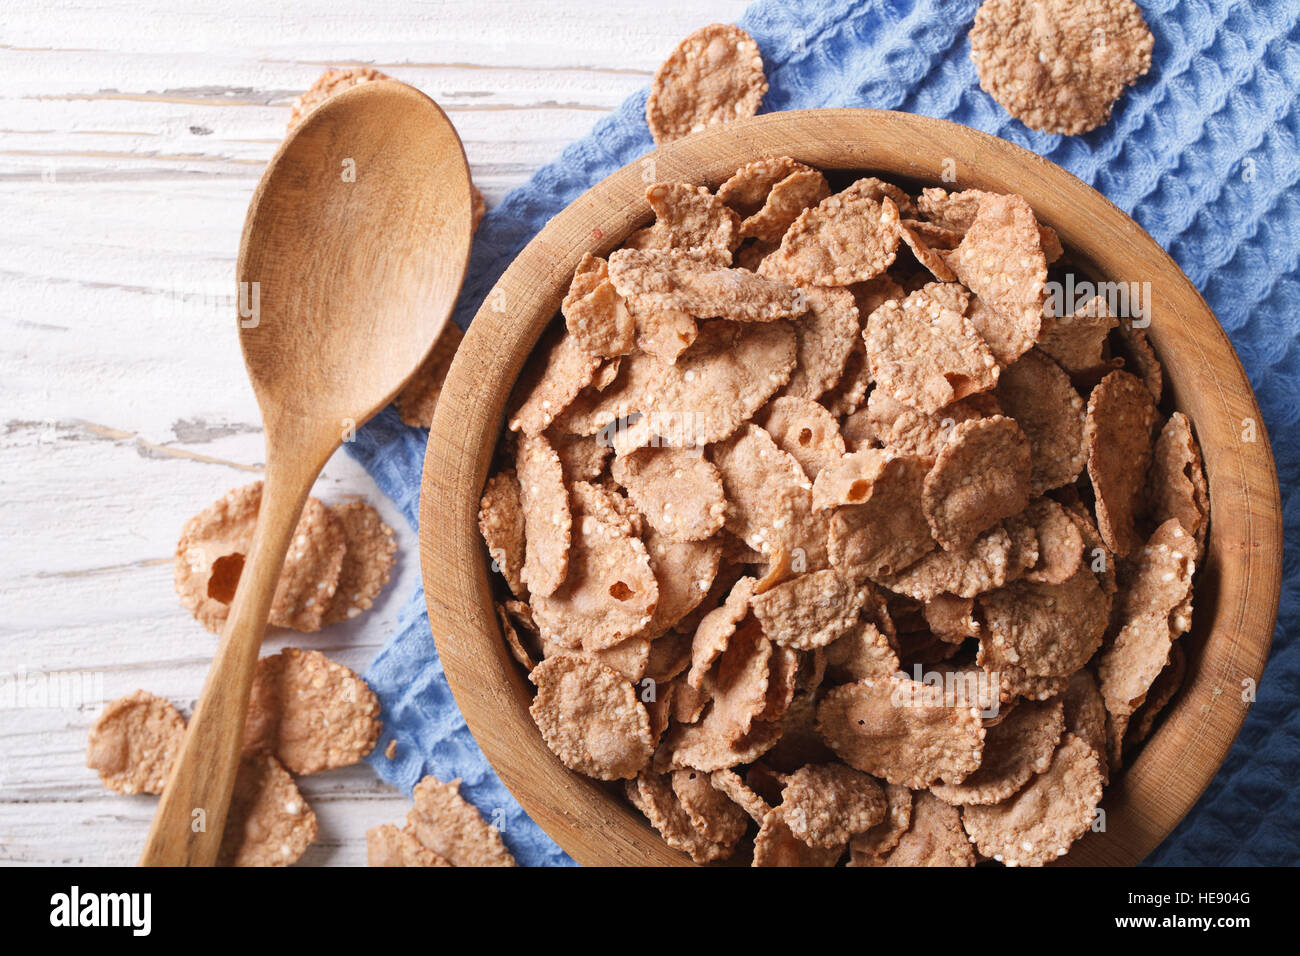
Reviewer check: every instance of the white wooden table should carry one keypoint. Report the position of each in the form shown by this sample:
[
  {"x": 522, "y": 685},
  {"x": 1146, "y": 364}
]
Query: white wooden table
[{"x": 131, "y": 137}]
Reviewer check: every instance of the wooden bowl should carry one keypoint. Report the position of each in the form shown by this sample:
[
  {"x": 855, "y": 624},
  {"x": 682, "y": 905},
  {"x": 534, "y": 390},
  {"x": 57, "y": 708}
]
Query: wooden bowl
[{"x": 1238, "y": 583}]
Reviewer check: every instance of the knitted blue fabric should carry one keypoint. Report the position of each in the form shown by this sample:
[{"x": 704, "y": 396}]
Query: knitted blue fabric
[{"x": 1204, "y": 152}]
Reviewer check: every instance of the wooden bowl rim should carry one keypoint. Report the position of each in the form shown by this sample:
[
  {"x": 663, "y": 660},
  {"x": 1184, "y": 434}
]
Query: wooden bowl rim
[{"x": 1232, "y": 631}]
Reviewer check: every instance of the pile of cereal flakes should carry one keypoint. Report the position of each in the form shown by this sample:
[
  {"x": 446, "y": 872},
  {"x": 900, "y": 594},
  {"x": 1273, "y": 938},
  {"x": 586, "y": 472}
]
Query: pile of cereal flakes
[{"x": 833, "y": 537}]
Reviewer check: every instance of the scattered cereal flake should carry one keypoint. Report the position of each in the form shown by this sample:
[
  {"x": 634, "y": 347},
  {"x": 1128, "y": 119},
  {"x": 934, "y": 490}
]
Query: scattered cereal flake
[
  {"x": 739, "y": 685},
  {"x": 1014, "y": 750},
  {"x": 1038, "y": 395},
  {"x": 826, "y": 804},
  {"x": 1014, "y": 683},
  {"x": 864, "y": 652},
  {"x": 390, "y": 752},
  {"x": 926, "y": 355},
  {"x": 872, "y": 847},
  {"x": 595, "y": 410},
  {"x": 925, "y": 254},
  {"x": 877, "y": 189},
  {"x": 776, "y": 845},
  {"x": 968, "y": 685},
  {"x": 716, "y": 628},
  {"x": 805, "y": 431},
  {"x": 1051, "y": 243},
  {"x": 629, "y": 658},
  {"x": 770, "y": 497},
  {"x": 211, "y": 551},
  {"x": 934, "y": 838},
  {"x": 825, "y": 337},
  {"x": 664, "y": 333},
  {"x": 813, "y": 609},
  {"x": 685, "y": 571},
  {"x": 582, "y": 457},
  {"x": 713, "y": 76},
  {"x": 450, "y": 826},
  {"x": 711, "y": 811},
  {"x": 312, "y": 713},
  {"x": 330, "y": 83},
  {"x": 802, "y": 189},
  {"x": 545, "y": 389},
  {"x": 389, "y": 846},
  {"x": 716, "y": 385},
  {"x": 367, "y": 560},
  {"x": 1163, "y": 689},
  {"x": 678, "y": 491},
  {"x": 1001, "y": 260},
  {"x": 1047, "y": 630},
  {"x": 609, "y": 593},
  {"x": 888, "y": 728},
  {"x": 747, "y": 189},
  {"x": 595, "y": 314},
  {"x": 691, "y": 217},
  {"x": 501, "y": 523},
  {"x": 694, "y": 282},
  {"x": 1154, "y": 608},
  {"x": 1121, "y": 416},
  {"x": 952, "y": 618},
  {"x": 590, "y": 717},
  {"x": 268, "y": 823},
  {"x": 846, "y": 238},
  {"x": 846, "y": 396},
  {"x": 910, "y": 432},
  {"x": 418, "y": 399},
  {"x": 1175, "y": 486},
  {"x": 879, "y": 524},
  {"x": 980, "y": 476},
  {"x": 729, "y": 782},
  {"x": 1043, "y": 820},
  {"x": 955, "y": 212},
  {"x": 933, "y": 235},
  {"x": 1096, "y": 555},
  {"x": 653, "y": 795},
  {"x": 729, "y": 732},
  {"x": 782, "y": 683},
  {"x": 1060, "y": 541},
  {"x": 1141, "y": 357},
  {"x": 607, "y": 373},
  {"x": 1059, "y": 65},
  {"x": 1116, "y": 729},
  {"x": 688, "y": 702},
  {"x": 729, "y": 572},
  {"x": 1077, "y": 340},
  {"x": 659, "y": 703},
  {"x": 670, "y": 655},
  {"x": 1085, "y": 713},
  {"x": 548, "y": 523},
  {"x": 133, "y": 743},
  {"x": 950, "y": 295}
]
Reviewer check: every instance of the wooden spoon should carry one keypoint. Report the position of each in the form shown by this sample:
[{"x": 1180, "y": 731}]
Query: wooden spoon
[{"x": 352, "y": 256}]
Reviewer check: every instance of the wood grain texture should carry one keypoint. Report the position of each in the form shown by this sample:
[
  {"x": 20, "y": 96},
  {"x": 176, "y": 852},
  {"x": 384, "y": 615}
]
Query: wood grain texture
[
  {"x": 133, "y": 135},
  {"x": 1237, "y": 588}
]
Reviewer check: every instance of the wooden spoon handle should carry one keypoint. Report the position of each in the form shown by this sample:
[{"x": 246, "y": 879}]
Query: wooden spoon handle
[{"x": 188, "y": 824}]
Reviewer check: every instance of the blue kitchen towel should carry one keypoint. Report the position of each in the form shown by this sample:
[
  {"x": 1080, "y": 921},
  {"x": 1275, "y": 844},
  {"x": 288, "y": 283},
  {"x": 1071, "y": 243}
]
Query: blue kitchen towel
[{"x": 1204, "y": 152}]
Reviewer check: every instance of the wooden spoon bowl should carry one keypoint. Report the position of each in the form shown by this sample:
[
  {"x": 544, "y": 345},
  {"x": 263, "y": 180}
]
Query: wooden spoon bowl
[{"x": 1238, "y": 583}]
